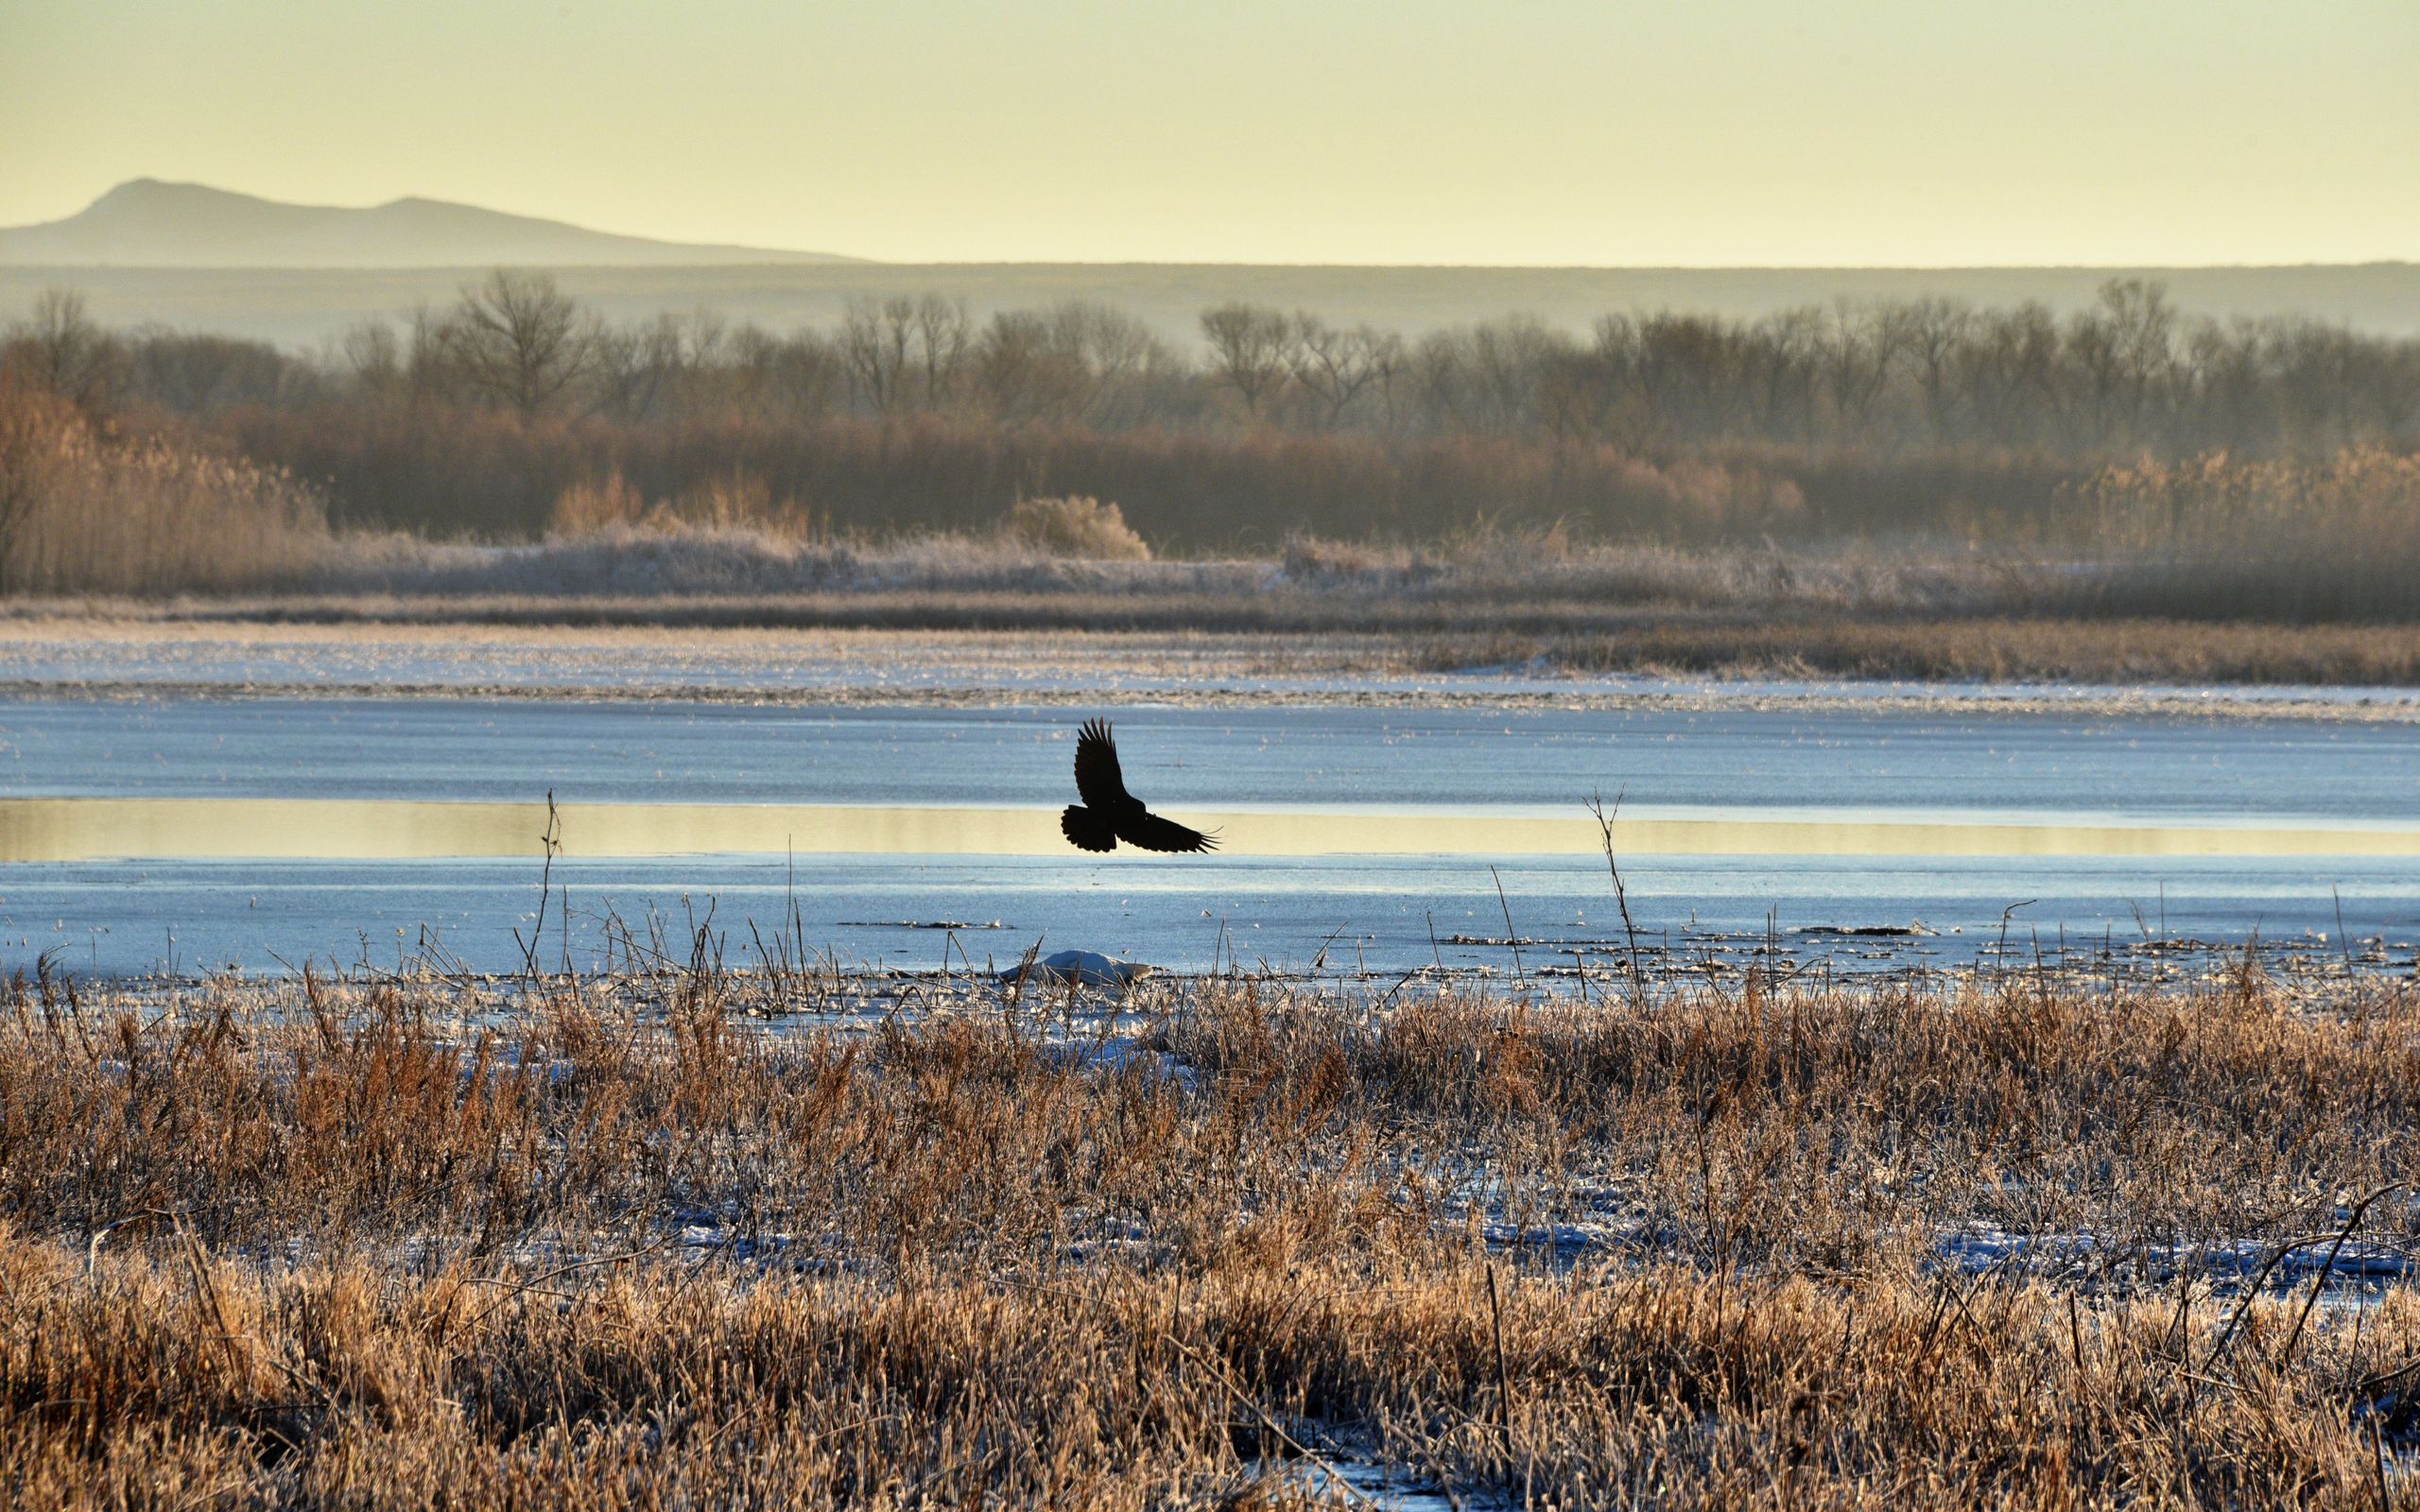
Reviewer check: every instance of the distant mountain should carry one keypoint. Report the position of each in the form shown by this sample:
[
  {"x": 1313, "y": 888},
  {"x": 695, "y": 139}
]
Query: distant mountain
[
  {"x": 202, "y": 259},
  {"x": 146, "y": 223}
]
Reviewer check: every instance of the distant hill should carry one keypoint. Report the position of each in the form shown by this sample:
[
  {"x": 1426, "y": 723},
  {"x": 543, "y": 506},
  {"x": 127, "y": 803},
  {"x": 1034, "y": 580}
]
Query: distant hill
[
  {"x": 202, "y": 259},
  {"x": 146, "y": 223}
]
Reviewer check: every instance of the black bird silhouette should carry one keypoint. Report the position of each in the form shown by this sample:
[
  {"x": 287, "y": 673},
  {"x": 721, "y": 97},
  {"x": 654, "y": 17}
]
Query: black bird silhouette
[{"x": 1109, "y": 813}]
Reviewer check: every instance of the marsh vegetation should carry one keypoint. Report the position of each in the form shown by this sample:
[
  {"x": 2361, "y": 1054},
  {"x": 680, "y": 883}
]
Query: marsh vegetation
[
  {"x": 1885, "y": 464},
  {"x": 686, "y": 1235}
]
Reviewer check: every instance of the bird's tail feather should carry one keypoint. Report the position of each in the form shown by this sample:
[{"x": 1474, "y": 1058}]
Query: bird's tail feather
[{"x": 1087, "y": 829}]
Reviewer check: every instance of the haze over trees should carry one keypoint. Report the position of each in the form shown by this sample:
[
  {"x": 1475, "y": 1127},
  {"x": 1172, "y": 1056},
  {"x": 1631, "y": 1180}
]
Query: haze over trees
[
  {"x": 2129, "y": 375},
  {"x": 1920, "y": 419}
]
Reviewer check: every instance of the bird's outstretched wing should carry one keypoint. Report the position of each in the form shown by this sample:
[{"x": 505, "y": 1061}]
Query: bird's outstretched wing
[
  {"x": 1150, "y": 833},
  {"x": 1087, "y": 829},
  {"x": 1097, "y": 778}
]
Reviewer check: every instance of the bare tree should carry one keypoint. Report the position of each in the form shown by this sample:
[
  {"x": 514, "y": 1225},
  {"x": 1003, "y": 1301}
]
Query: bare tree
[
  {"x": 1020, "y": 373},
  {"x": 208, "y": 375},
  {"x": 798, "y": 378},
  {"x": 372, "y": 358},
  {"x": 1334, "y": 366},
  {"x": 1389, "y": 364},
  {"x": 2092, "y": 352},
  {"x": 1580, "y": 388},
  {"x": 1935, "y": 330},
  {"x": 1590, "y": 393},
  {"x": 60, "y": 349},
  {"x": 2390, "y": 375},
  {"x": 2007, "y": 373},
  {"x": 1785, "y": 353},
  {"x": 701, "y": 366},
  {"x": 636, "y": 369},
  {"x": 1505, "y": 359},
  {"x": 432, "y": 369},
  {"x": 1114, "y": 351},
  {"x": 2319, "y": 366},
  {"x": 1075, "y": 361},
  {"x": 1858, "y": 346},
  {"x": 942, "y": 334},
  {"x": 1247, "y": 351},
  {"x": 2143, "y": 331},
  {"x": 1691, "y": 371},
  {"x": 1484, "y": 378},
  {"x": 520, "y": 341},
  {"x": 873, "y": 339}
]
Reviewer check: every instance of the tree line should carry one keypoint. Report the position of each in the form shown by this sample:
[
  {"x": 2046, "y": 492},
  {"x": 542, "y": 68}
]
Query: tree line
[{"x": 2129, "y": 376}]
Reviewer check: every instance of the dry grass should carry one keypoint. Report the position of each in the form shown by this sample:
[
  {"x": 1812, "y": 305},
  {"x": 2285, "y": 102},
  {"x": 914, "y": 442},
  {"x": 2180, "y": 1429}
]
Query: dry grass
[
  {"x": 1479, "y": 597},
  {"x": 447, "y": 472},
  {"x": 1983, "y": 649},
  {"x": 1290, "y": 634},
  {"x": 82, "y": 510},
  {"x": 1084, "y": 549},
  {"x": 2218, "y": 539},
  {"x": 999, "y": 1254},
  {"x": 734, "y": 502},
  {"x": 2131, "y": 557}
]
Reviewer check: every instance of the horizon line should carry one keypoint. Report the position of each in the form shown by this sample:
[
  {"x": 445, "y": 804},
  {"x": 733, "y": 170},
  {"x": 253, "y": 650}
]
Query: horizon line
[{"x": 826, "y": 262}]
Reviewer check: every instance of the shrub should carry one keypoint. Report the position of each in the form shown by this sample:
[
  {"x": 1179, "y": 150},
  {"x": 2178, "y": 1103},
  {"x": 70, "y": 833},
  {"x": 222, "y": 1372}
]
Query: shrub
[
  {"x": 1073, "y": 526},
  {"x": 1318, "y": 560},
  {"x": 593, "y": 505}
]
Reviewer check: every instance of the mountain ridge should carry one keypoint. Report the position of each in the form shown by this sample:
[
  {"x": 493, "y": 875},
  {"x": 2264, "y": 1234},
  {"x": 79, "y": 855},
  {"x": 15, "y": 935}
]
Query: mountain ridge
[
  {"x": 160, "y": 223},
  {"x": 198, "y": 283}
]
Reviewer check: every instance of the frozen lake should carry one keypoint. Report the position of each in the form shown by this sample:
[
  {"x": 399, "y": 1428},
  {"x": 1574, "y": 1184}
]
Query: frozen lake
[{"x": 188, "y": 831}]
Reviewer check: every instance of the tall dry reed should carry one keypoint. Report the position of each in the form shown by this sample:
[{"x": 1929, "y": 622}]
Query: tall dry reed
[
  {"x": 85, "y": 511},
  {"x": 2335, "y": 538}
]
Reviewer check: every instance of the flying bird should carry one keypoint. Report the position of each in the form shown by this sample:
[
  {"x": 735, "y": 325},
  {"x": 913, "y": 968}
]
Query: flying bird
[{"x": 1109, "y": 813}]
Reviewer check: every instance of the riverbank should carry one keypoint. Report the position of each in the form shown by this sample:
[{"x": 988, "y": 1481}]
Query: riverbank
[{"x": 403, "y": 648}]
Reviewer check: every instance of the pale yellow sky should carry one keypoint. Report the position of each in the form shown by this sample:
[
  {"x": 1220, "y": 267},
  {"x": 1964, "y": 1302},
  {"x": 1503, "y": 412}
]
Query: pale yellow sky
[{"x": 1539, "y": 131}]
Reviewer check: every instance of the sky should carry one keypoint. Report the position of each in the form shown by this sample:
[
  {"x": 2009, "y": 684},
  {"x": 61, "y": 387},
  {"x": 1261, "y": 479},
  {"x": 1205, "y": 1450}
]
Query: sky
[{"x": 1720, "y": 132}]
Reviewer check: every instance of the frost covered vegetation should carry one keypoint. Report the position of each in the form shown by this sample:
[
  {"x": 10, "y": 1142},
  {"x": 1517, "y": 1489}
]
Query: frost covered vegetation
[
  {"x": 2253, "y": 471},
  {"x": 2020, "y": 1240}
]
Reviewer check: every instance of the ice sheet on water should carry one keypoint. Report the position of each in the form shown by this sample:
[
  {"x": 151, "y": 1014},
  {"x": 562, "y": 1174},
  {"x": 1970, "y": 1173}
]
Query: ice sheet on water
[
  {"x": 719, "y": 766},
  {"x": 2232, "y": 1263}
]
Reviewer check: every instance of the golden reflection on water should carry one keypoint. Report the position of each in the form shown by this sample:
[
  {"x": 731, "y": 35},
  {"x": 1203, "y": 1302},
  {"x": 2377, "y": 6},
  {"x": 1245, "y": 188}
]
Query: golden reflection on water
[{"x": 86, "y": 829}]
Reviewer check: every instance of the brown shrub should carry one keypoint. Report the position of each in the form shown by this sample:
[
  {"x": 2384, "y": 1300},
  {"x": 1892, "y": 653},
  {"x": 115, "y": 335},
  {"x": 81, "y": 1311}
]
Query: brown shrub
[
  {"x": 590, "y": 506},
  {"x": 1073, "y": 526}
]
